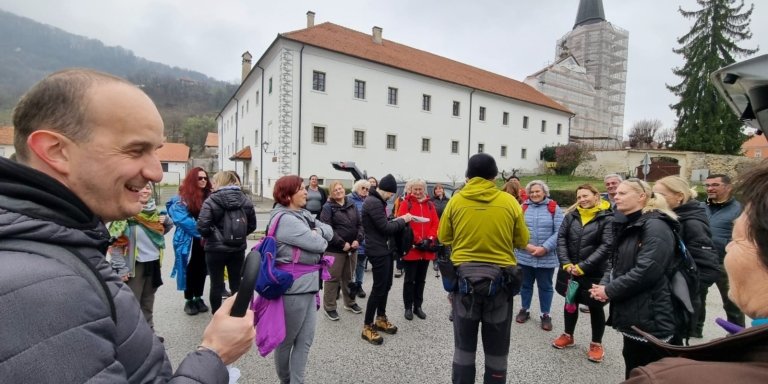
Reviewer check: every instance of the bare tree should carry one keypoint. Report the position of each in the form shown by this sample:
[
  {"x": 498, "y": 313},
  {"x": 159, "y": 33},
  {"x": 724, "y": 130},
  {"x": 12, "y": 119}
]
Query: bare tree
[
  {"x": 642, "y": 133},
  {"x": 665, "y": 137}
]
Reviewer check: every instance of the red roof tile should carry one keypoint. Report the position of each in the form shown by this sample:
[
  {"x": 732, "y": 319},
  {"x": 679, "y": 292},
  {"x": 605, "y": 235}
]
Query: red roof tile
[
  {"x": 243, "y": 154},
  {"x": 756, "y": 141},
  {"x": 349, "y": 42},
  {"x": 212, "y": 140},
  {"x": 6, "y": 135},
  {"x": 174, "y": 152}
]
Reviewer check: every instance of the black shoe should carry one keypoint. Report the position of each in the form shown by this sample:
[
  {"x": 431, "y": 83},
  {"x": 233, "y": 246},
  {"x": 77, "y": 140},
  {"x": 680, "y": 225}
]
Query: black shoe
[
  {"x": 201, "y": 307},
  {"x": 162, "y": 339},
  {"x": 583, "y": 309},
  {"x": 332, "y": 315},
  {"x": 398, "y": 273},
  {"x": 418, "y": 312},
  {"x": 361, "y": 293},
  {"x": 190, "y": 308},
  {"x": 225, "y": 294},
  {"x": 408, "y": 314}
]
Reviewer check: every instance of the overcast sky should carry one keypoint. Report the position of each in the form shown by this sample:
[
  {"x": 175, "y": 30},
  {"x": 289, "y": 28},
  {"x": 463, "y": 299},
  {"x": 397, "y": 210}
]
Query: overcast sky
[{"x": 514, "y": 38}]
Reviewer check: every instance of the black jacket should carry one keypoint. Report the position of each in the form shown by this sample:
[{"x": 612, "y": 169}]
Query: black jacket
[
  {"x": 345, "y": 221},
  {"x": 51, "y": 315},
  {"x": 212, "y": 213},
  {"x": 636, "y": 282},
  {"x": 377, "y": 227},
  {"x": 440, "y": 204},
  {"x": 697, "y": 237},
  {"x": 587, "y": 246}
]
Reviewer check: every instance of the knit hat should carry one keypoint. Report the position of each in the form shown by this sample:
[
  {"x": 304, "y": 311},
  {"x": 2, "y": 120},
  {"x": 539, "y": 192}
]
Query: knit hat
[
  {"x": 387, "y": 184},
  {"x": 482, "y": 165}
]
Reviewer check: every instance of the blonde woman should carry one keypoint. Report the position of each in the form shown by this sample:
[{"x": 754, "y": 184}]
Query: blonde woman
[
  {"x": 697, "y": 236},
  {"x": 636, "y": 285}
]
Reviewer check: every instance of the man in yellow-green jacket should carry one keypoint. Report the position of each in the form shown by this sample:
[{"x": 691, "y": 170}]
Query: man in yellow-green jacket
[{"x": 483, "y": 225}]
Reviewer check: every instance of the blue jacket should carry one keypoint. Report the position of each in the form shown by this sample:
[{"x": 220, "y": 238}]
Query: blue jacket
[
  {"x": 543, "y": 228},
  {"x": 186, "y": 230},
  {"x": 721, "y": 217},
  {"x": 358, "y": 200}
]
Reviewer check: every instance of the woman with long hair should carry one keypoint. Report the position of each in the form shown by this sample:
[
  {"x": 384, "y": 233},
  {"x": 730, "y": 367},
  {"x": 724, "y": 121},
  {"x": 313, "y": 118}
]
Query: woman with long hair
[
  {"x": 636, "y": 284},
  {"x": 583, "y": 245},
  {"x": 189, "y": 267}
]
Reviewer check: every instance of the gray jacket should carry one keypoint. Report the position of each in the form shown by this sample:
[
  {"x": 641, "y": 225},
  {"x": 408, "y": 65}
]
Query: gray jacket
[
  {"x": 295, "y": 231},
  {"x": 721, "y": 217},
  {"x": 54, "y": 326}
]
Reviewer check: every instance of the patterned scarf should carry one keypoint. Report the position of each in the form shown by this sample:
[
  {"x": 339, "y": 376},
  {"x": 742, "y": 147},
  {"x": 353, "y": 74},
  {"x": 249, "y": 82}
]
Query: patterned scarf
[{"x": 148, "y": 219}]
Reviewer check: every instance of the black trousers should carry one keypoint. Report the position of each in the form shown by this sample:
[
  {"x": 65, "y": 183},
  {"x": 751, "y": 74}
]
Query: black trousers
[
  {"x": 382, "y": 269},
  {"x": 415, "y": 274},
  {"x": 637, "y": 354},
  {"x": 597, "y": 317},
  {"x": 494, "y": 315},
  {"x": 216, "y": 262},
  {"x": 196, "y": 271}
]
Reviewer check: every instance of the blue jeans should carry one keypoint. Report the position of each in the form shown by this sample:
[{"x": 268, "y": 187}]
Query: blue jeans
[
  {"x": 543, "y": 278},
  {"x": 360, "y": 268}
]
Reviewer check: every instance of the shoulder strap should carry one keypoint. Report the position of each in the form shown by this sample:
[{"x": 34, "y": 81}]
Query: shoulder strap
[
  {"x": 70, "y": 257},
  {"x": 524, "y": 206},
  {"x": 552, "y": 206},
  {"x": 273, "y": 228}
]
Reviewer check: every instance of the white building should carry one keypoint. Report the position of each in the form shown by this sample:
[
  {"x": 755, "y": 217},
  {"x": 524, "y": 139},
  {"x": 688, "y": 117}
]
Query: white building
[
  {"x": 327, "y": 93},
  {"x": 173, "y": 158},
  {"x": 589, "y": 77},
  {"x": 6, "y": 142}
]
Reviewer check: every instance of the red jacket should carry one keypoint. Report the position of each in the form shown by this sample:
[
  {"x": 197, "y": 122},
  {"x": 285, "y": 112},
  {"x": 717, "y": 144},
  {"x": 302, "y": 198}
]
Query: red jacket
[{"x": 421, "y": 231}]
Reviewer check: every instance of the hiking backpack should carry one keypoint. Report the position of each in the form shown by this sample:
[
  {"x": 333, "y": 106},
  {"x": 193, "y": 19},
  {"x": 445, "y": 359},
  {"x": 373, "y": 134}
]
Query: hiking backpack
[
  {"x": 684, "y": 286},
  {"x": 551, "y": 207},
  {"x": 233, "y": 227}
]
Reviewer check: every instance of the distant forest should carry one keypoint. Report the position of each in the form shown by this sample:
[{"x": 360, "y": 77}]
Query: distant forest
[{"x": 188, "y": 101}]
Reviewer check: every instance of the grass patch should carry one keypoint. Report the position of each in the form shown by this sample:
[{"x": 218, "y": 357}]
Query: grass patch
[{"x": 560, "y": 182}]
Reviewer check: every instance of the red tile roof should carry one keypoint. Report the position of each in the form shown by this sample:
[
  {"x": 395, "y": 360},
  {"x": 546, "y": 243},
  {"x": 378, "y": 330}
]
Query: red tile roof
[
  {"x": 174, "y": 152},
  {"x": 756, "y": 141},
  {"x": 349, "y": 42},
  {"x": 6, "y": 135},
  {"x": 212, "y": 140},
  {"x": 243, "y": 154}
]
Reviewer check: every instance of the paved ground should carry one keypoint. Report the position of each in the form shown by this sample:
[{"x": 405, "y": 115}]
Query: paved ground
[{"x": 420, "y": 352}]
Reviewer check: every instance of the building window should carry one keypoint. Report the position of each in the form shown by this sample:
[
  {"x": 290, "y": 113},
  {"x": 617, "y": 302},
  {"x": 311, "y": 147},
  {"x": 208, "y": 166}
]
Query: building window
[
  {"x": 482, "y": 113},
  {"x": 359, "y": 138},
  {"x": 424, "y": 144},
  {"x": 242, "y": 111},
  {"x": 318, "y": 81},
  {"x": 360, "y": 89},
  {"x": 543, "y": 126},
  {"x": 525, "y": 122},
  {"x": 248, "y": 105},
  {"x": 480, "y": 148},
  {"x": 503, "y": 151},
  {"x": 426, "y": 103},
  {"x": 455, "y": 146},
  {"x": 758, "y": 153},
  {"x": 392, "y": 96},
  {"x": 505, "y": 118},
  {"x": 391, "y": 141},
  {"x": 318, "y": 135},
  {"x": 456, "y": 106},
  {"x": 164, "y": 165},
  {"x": 559, "y": 129},
  {"x": 257, "y": 97},
  {"x": 270, "y": 85},
  {"x": 523, "y": 153}
]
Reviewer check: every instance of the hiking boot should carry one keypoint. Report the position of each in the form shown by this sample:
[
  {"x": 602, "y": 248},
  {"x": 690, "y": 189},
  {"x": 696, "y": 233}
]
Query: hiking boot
[
  {"x": 370, "y": 335},
  {"x": 408, "y": 314},
  {"x": 201, "y": 307},
  {"x": 332, "y": 315},
  {"x": 354, "y": 308},
  {"x": 546, "y": 322},
  {"x": 522, "y": 316},
  {"x": 565, "y": 340},
  {"x": 583, "y": 308},
  {"x": 383, "y": 324},
  {"x": 398, "y": 273},
  {"x": 190, "y": 308},
  {"x": 419, "y": 313},
  {"x": 361, "y": 293},
  {"x": 595, "y": 353}
]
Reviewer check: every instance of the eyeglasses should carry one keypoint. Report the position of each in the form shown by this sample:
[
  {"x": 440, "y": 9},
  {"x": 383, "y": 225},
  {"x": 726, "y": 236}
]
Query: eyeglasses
[
  {"x": 201, "y": 178},
  {"x": 713, "y": 185}
]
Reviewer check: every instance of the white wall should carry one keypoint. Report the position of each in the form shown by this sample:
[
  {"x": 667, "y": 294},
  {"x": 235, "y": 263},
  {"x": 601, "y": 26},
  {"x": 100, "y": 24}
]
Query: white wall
[{"x": 7, "y": 150}]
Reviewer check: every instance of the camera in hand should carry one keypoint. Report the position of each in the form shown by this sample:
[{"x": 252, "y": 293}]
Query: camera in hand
[{"x": 428, "y": 245}]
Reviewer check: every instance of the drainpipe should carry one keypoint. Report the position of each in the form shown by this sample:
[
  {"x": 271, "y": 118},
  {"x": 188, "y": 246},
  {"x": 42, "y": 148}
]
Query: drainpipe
[
  {"x": 469, "y": 133},
  {"x": 570, "y": 120},
  {"x": 237, "y": 118},
  {"x": 301, "y": 83},
  {"x": 261, "y": 141},
  {"x": 220, "y": 130}
]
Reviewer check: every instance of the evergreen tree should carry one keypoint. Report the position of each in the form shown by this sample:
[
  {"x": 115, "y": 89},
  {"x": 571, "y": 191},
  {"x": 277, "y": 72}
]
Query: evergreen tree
[{"x": 704, "y": 121}]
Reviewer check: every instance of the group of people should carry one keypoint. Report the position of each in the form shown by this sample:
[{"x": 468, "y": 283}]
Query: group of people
[{"x": 86, "y": 144}]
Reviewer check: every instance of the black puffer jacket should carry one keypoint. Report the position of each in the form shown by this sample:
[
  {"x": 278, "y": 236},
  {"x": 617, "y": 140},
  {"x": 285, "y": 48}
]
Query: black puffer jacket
[
  {"x": 587, "y": 246},
  {"x": 55, "y": 327},
  {"x": 697, "y": 237},
  {"x": 377, "y": 227},
  {"x": 636, "y": 282},
  {"x": 212, "y": 213},
  {"x": 346, "y": 224}
]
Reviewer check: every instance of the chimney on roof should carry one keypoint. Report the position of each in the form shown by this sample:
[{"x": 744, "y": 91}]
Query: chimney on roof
[
  {"x": 246, "y": 65},
  {"x": 310, "y": 19},
  {"x": 377, "y": 35}
]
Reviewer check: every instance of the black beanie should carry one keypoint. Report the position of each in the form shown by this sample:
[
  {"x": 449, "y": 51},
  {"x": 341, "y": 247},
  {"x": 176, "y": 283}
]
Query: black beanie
[
  {"x": 482, "y": 165},
  {"x": 388, "y": 184}
]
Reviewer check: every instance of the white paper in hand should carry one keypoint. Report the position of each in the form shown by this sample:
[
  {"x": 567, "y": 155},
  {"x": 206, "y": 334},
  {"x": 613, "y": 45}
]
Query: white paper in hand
[{"x": 420, "y": 219}]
